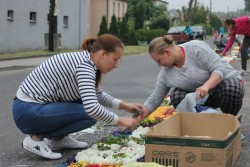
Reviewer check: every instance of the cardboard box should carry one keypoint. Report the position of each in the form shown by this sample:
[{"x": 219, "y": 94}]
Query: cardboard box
[{"x": 194, "y": 140}]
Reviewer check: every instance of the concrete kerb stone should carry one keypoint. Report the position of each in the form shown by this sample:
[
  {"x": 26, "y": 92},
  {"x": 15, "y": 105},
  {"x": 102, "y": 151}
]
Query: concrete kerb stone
[{"x": 25, "y": 57}]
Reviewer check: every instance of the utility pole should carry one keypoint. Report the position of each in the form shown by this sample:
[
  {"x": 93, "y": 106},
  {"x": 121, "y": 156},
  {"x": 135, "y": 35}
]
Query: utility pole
[
  {"x": 210, "y": 6},
  {"x": 52, "y": 24}
]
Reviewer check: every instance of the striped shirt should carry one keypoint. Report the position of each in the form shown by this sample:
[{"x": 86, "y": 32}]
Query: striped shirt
[{"x": 67, "y": 77}]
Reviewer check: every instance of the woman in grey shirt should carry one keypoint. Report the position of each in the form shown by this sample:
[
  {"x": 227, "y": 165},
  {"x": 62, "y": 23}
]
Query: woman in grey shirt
[{"x": 193, "y": 67}]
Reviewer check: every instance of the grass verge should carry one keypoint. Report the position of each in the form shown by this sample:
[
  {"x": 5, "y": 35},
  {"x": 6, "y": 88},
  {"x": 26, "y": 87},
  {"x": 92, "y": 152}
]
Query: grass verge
[{"x": 129, "y": 50}]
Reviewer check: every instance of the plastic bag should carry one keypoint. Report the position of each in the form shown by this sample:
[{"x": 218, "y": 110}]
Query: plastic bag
[{"x": 189, "y": 104}]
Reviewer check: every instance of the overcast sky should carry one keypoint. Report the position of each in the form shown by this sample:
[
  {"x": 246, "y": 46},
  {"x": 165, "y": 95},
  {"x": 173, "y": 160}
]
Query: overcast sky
[{"x": 217, "y": 5}]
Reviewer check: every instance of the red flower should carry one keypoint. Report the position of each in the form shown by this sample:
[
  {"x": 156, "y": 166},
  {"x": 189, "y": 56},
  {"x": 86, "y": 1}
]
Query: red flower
[{"x": 93, "y": 165}]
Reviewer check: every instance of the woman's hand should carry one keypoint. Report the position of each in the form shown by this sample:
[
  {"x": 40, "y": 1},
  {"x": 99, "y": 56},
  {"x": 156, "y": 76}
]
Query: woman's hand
[
  {"x": 144, "y": 114},
  {"x": 221, "y": 55},
  {"x": 131, "y": 107},
  {"x": 132, "y": 123},
  {"x": 127, "y": 123},
  {"x": 211, "y": 83},
  {"x": 201, "y": 92}
]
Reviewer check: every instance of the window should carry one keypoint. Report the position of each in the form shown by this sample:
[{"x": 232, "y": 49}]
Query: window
[
  {"x": 123, "y": 10},
  {"x": 32, "y": 17},
  {"x": 10, "y": 15},
  {"x": 65, "y": 21}
]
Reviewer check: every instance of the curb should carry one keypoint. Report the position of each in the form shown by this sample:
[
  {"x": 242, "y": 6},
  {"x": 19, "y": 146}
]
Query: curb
[{"x": 25, "y": 57}]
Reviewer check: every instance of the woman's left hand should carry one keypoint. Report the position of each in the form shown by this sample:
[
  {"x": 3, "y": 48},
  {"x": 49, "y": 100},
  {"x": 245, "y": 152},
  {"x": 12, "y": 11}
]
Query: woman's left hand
[{"x": 201, "y": 92}]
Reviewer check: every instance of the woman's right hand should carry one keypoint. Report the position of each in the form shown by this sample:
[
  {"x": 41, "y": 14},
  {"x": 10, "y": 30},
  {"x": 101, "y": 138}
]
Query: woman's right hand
[
  {"x": 145, "y": 113},
  {"x": 128, "y": 123},
  {"x": 132, "y": 123}
]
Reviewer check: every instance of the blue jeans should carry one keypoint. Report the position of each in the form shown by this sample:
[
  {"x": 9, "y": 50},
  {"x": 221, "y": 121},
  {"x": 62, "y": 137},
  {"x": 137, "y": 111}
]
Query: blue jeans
[{"x": 52, "y": 119}]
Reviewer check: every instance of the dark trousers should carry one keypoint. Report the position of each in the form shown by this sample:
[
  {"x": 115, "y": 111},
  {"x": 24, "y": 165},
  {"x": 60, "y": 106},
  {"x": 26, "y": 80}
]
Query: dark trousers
[
  {"x": 227, "y": 96},
  {"x": 244, "y": 53}
]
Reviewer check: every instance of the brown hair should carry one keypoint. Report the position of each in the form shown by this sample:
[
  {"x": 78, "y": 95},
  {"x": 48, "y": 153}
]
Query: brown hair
[
  {"x": 107, "y": 42},
  {"x": 160, "y": 43},
  {"x": 230, "y": 21}
]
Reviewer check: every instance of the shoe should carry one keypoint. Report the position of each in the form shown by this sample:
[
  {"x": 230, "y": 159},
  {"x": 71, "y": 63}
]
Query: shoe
[
  {"x": 66, "y": 142},
  {"x": 39, "y": 148},
  {"x": 243, "y": 72}
]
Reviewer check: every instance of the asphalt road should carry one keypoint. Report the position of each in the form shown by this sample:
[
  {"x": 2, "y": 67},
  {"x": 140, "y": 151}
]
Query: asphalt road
[{"x": 133, "y": 81}]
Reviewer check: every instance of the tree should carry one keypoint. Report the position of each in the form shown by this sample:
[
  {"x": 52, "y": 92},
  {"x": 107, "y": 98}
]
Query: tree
[
  {"x": 161, "y": 22},
  {"x": 141, "y": 10},
  {"x": 123, "y": 30},
  {"x": 247, "y": 5},
  {"x": 199, "y": 16},
  {"x": 103, "y": 26},
  {"x": 160, "y": 18},
  {"x": 215, "y": 21},
  {"x": 113, "y": 26}
]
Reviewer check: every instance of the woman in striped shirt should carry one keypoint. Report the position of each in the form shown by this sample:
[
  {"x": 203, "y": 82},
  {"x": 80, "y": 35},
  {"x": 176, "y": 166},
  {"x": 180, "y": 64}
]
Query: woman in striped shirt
[{"x": 63, "y": 96}]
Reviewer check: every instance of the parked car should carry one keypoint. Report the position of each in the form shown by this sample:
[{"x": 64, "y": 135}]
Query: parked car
[
  {"x": 178, "y": 34},
  {"x": 199, "y": 32}
]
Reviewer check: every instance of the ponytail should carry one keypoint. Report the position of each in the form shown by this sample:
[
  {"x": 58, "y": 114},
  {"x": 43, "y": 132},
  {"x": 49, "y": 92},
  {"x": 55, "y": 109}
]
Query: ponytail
[
  {"x": 160, "y": 43},
  {"x": 87, "y": 44}
]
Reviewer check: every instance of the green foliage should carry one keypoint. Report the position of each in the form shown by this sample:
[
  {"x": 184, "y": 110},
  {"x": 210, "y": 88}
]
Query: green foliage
[
  {"x": 196, "y": 15},
  {"x": 247, "y": 5},
  {"x": 148, "y": 34},
  {"x": 160, "y": 10},
  {"x": 123, "y": 30},
  {"x": 160, "y": 19},
  {"x": 199, "y": 16},
  {"x": 132, "y": 38},
  {"x": 215, "y": 22},
  {"x": 113, "y": 26},
  {"x": 161, "y": 22},
  {"x": 141, "y": 10},
  {"x": 121, "y": 140},
  {"x": 103, "y": 26},
  {"x": 130, "y": 28}
]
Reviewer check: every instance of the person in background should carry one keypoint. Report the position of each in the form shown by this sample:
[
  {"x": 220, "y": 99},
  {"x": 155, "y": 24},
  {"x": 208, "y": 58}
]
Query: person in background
[
  {"x": 193, "y": 67},
  {"x": 240, "y": 25},
  {"x": 222, "y": 31},
  {"x": 63, "y": 95},
  {"x": 216, "y": 34},
  {"x": 189, "y": 32}
]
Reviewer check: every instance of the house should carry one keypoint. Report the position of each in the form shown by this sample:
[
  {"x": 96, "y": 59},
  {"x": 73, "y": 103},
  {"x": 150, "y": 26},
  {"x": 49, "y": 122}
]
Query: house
[
  {"x": 24, "y": 23},
  {"x": 99, "y": 8}
]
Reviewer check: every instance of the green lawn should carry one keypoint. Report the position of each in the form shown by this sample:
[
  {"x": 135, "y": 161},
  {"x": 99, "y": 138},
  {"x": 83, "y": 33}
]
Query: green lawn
[{"x": 129, "y": 50}]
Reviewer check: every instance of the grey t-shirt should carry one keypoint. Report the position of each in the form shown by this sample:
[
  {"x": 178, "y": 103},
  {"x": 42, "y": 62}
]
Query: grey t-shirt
[{"x": 200, "y": 62}]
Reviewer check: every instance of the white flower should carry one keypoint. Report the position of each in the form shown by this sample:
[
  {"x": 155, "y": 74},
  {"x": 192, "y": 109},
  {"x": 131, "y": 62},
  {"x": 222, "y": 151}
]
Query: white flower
[
  {"x": 114, "y": 147},
  {"x": 140, "y": 131},
  {"x": 132, "y": 152}
]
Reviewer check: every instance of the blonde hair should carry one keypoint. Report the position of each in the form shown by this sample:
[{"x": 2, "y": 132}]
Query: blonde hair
[{"x": 160, "y": 43}]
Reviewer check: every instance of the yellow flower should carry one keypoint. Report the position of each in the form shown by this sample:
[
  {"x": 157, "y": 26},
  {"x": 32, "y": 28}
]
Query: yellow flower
[
  {"x": 72, "y": 164},
  {"x": 82, "y": 164}
]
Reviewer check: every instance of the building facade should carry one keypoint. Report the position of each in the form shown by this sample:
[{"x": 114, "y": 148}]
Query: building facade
[
  {"x": 99, "y": 8},
  {"x": 24, "y": 24}
]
